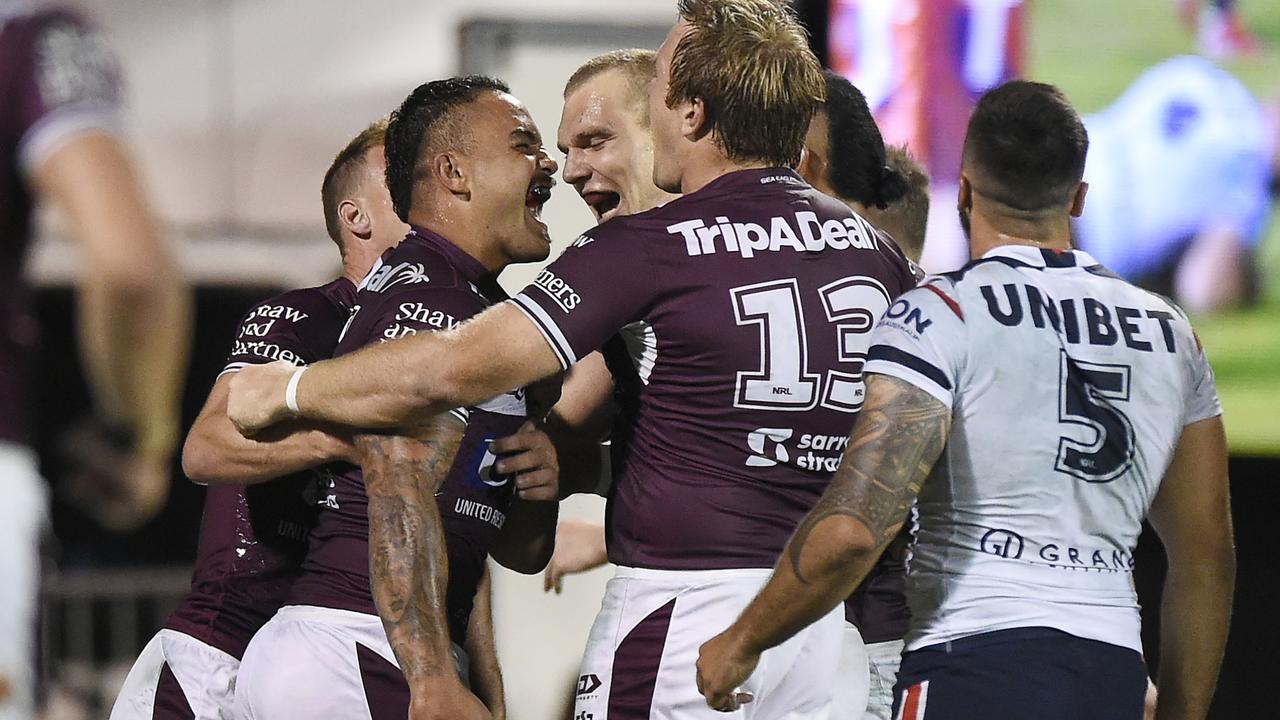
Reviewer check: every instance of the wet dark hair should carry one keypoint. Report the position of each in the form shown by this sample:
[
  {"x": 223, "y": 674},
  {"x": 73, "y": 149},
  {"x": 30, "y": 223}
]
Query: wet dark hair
[
  {"x": 1027, "y": 146},
  {"x": 858, "y": 168},
  {"x": 422, "y": 122}
]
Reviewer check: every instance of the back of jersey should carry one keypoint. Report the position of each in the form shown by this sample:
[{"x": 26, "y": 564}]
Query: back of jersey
[
  {"x": 1069, "y": 389},
  {"x": 745, "y": 309}
]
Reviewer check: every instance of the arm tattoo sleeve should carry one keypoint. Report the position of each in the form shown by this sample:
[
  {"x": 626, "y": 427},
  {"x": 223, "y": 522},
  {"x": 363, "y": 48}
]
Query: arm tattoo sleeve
[
  {"x": 407, "y": 561},
  {"x": 899, "y": 435}
]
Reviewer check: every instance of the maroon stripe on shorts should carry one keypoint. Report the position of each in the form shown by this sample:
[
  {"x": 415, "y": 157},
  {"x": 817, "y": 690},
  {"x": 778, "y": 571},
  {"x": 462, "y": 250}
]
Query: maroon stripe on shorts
[
  {"x": 385, "y": 688},
  {"x": 171, "y": 702},
  {"x": 635, "y": 666}
]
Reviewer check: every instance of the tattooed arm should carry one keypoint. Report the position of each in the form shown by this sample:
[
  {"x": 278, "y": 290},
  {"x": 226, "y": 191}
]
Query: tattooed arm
[
  {"x": 408, "y": 565},
  {"x": 898, "y": 437}
]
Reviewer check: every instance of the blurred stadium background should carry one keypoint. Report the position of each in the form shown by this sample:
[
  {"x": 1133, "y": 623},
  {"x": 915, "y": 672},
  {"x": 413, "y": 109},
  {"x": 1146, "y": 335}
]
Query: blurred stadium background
[{"x": 235, "y": 108}]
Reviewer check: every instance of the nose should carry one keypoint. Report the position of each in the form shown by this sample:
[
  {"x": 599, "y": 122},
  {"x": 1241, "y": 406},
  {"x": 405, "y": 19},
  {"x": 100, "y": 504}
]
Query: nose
[
  {"x": 575, "y": 167},
  {"x": 547, "y": 163}
]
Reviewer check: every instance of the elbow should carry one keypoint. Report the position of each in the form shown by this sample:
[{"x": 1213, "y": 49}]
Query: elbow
[
  {"x": 529, "y": 560},
  {"x": 197, "y": 461}
]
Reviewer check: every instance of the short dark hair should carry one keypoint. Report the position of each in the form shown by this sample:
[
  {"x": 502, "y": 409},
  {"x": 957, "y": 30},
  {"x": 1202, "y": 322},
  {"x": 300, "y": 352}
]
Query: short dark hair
[
  {"x": 858, "y": 167},
  {"x": 342, "y": 171},
  {"x": 1027, "y": 146},
  {"x": 749, "y": 62},
  {"x": 423, "y": 123}
]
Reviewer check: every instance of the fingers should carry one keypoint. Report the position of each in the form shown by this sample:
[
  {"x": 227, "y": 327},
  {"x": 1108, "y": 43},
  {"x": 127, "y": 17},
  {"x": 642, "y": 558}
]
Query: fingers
[{"x": 553, "y": 578}]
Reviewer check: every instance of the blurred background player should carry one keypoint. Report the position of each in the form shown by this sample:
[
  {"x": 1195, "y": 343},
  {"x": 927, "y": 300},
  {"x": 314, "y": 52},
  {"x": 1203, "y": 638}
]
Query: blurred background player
[
  {"x": 58, "y": 142},
  {"x": 1020, "y": 579},
  {"x": 922, "y": 65},
  {"x": 259, "y": 507},
  {"x": 375, "y": 625},
  {"x": 1220, "y": 30},
  {"x": 1182, "y": 177}
]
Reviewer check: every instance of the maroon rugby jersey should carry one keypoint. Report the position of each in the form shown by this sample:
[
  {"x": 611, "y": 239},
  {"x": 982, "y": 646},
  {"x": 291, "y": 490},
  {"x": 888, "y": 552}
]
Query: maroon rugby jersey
[
  {"x": 423, "y": 285},
  {"x": 745, "y": 309},
  {"x": 252, "y": 539},
  {"x": 56, "y": 79}
]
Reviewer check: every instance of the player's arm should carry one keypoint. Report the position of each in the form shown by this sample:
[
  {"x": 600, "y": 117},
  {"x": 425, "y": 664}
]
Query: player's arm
[
  {"x": 898, "y": 437},
  {"x": 580, "y": 546},
  {"x": 408, "y": 562},
  {"x": 1192, "y": 515},
  {"x": 215, "y": 452},
  {"x": 580, "y": 422},
  {"x": 486, "y": 674},
  {"x": 134, "y": 306},
  {"x": 528, "y": 535},
  {"x": 394, "y": 384}
]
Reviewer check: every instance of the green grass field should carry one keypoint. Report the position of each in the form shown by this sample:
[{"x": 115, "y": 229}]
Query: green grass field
[{"x": 1093, "y": 49}]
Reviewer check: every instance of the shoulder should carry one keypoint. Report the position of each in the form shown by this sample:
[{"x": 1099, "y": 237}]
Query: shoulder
[
  {"x": 411, "y": 266},
  {"x": 314, "y": 303}
]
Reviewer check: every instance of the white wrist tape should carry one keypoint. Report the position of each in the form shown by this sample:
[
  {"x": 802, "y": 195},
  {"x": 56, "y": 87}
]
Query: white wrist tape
[{"x": 291, "y": 391}]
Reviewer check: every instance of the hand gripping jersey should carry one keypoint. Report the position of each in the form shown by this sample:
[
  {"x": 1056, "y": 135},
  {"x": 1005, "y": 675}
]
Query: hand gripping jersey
[
  {"x": 745, "y": 309},
  {"x": 425, "y": 284},
  {"x": 1069, "y": 389},
  {"x": 252, "y": 539},
  {"x": 57, "y": 79}
]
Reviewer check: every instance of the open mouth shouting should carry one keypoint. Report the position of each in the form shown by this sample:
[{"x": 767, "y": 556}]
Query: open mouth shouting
[
  {"x": 539, "y": 194},
  {"x": 602, "y": 202}
]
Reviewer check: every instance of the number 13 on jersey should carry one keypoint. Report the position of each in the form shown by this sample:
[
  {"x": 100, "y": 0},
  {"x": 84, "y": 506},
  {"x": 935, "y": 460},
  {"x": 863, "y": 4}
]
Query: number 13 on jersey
[{"x": 783, "y": 380}]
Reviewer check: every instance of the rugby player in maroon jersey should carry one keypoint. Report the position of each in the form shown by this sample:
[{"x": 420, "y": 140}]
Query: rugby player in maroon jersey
[
  {"x": 256, "y": 518},
  {"x": 604, "y": 134},
  {"x": 375, "y": 624},
  {"x": 59, "y": 142},
  {"x": 744, "y": 305}
]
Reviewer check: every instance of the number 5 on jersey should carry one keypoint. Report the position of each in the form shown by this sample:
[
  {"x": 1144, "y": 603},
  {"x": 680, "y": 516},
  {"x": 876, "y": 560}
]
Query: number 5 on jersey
[{"x": 783, "y": 380}]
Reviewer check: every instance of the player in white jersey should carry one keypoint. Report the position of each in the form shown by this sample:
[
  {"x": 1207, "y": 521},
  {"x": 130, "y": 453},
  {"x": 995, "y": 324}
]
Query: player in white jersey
[
  {"x": 1035, "y": 408},
  {"x": 1180, "y": 175}
]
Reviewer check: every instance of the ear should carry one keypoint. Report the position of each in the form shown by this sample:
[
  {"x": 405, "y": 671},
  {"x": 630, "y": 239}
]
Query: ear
[
  {"x": 1077, "y": 202},
  {"x": 694, "y": 120},
  {"x": 807, "y": 165},
  {"x": 964, "y": 199},
  {"x": 451, "y": 172},
  {"x": 355, "y": 219}
]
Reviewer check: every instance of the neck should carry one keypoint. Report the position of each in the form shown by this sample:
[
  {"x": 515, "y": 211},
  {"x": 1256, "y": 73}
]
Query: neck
[
  {"x": 463, "y": 234},
  {"x": 710, "y": 165},
  {"x": 358, "y": 259},
  {"x": 988, "y": 231}
]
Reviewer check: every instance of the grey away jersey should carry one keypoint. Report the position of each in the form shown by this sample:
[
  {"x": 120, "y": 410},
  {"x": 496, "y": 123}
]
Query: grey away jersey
[{"x": 1069, "y": 389}]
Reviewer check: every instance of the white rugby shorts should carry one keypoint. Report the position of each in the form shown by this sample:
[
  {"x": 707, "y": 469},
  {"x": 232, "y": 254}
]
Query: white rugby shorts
[
  {"x": 641, "y": 655},
  {"x": 315, "y": 662},
  {"x": 177, "y": 677},
  {"x": 864, "y": 683}
]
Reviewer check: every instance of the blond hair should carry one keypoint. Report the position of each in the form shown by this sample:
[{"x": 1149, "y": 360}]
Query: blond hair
[
  {"x": 636, "y": 65},
  {"x": 749, "y": 62}
]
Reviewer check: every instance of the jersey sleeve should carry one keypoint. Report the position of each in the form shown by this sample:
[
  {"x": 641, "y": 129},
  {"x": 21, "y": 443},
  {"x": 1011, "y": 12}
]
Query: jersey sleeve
[
  {"x": 921, "y": 339},
  {"x": 603, "y": 282},
  {"x": 1202, "y": 400},
  {"x": 406, "y": 311},
  {"x": 286, "y": 327},
  {"x": 70, "y": 86}
]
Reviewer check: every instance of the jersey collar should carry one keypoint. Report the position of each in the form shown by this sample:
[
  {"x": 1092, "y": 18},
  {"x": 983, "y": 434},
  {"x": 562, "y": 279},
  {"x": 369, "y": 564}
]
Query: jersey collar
[
  {"x": 1041, "y": 258},
  {"x": 743, "y": 179},
  {"x": 470, "y": 268}
]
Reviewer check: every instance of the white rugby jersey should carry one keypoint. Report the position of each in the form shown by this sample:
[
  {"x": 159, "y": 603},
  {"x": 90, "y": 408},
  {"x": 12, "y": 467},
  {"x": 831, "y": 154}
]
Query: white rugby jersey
[{"x": 1069, "y": 389}]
